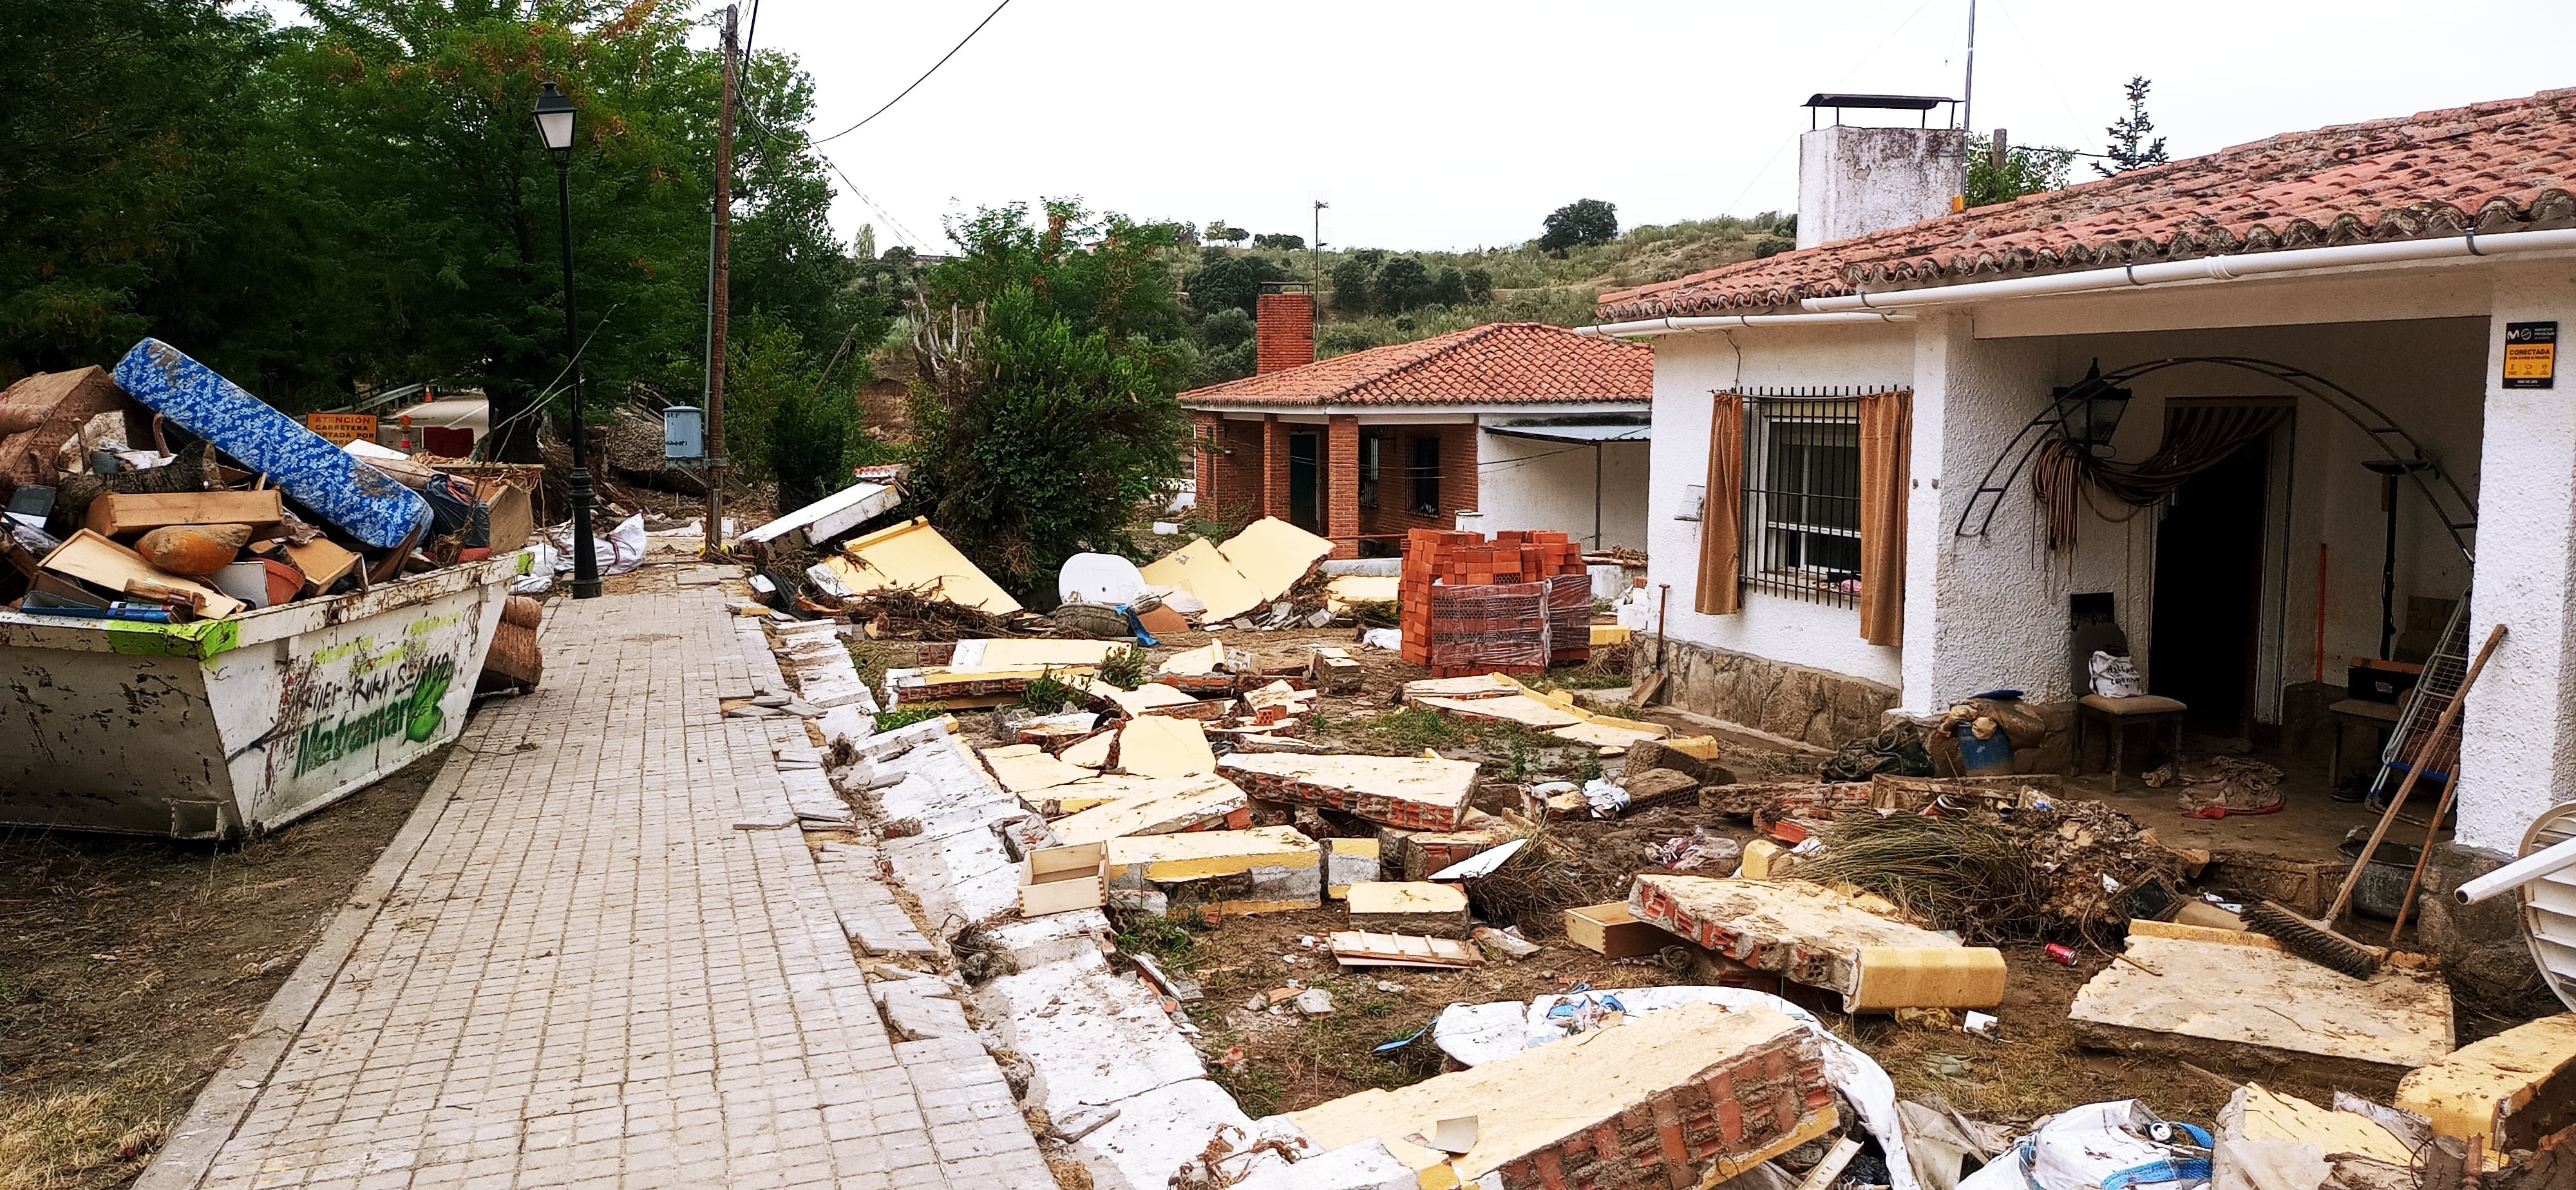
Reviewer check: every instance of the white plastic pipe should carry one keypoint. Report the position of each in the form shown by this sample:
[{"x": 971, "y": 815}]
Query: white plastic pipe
[
  {"x": 1675, "y": 326},
  {"x": 2548, "y": 861},
  {"x": 2208, "y": 268}
]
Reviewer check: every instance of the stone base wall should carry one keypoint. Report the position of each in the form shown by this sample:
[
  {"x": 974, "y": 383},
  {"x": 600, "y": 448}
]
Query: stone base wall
[
  {"x": 1813, "y": 706},
  {"x": 2481, "y": 946}
]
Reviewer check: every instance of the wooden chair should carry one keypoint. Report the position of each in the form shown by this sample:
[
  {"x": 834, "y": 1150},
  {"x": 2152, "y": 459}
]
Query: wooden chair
[{"x": 2121, "y": 714}]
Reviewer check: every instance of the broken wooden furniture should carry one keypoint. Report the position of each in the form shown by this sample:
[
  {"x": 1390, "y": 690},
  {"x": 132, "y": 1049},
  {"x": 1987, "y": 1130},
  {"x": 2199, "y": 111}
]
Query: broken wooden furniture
[{"x": 2118, "y": 715}]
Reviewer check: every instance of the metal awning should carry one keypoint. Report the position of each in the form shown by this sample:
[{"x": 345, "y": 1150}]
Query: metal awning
[{"x": 1579, "y": 435}]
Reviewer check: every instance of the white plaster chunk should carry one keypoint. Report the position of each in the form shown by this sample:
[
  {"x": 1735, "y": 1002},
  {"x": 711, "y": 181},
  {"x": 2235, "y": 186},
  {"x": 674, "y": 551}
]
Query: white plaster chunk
[
  {"x": 1158, "y": 1132},
  {"x": 1362, "y": 1166},
  {"x": 961, "y": 879},
  {"x": 921, "y": 1008},
  {"x": 1035, "y": 942},
  {"x": 1090, "y": 1036}
]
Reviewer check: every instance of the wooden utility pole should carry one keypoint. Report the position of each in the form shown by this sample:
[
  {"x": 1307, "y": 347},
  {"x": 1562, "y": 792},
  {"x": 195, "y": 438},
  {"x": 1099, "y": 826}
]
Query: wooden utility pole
[{"x": 721, "y": 283}]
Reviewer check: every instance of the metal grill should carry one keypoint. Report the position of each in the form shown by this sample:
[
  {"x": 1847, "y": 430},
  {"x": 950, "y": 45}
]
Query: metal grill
[
  {"x": 1802, "y": 493},
  {"x": 2444, "y": 673}
]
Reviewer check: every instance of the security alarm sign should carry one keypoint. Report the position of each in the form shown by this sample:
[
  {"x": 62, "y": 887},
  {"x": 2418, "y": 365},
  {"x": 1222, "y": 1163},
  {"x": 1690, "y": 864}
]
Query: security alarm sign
[{"x": 2530, "y": 354}]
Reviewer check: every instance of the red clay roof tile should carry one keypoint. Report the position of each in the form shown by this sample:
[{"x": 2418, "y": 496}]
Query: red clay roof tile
[
  {"x": 2498, "y": 167},
  {"x": 1502, "y": 363}
]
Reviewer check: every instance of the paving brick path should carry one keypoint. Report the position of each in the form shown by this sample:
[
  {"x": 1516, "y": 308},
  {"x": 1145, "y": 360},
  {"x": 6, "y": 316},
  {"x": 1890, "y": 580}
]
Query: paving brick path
[{"x": 585, "y": 975}]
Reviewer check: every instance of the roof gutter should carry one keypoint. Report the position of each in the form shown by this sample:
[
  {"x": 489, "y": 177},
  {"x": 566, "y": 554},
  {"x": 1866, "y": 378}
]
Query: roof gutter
[
  {"x": 2208, "y": 268},
  {"x": 1646, "y": 327}
]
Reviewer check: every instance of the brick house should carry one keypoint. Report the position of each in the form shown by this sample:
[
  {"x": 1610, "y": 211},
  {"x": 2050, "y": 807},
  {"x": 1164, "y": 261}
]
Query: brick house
[{"x": 1514, "y": 425}]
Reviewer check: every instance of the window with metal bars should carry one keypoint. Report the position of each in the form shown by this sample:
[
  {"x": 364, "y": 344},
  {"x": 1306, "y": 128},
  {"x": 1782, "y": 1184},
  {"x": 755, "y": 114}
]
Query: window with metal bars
[{"x": 1802, "y": 495}]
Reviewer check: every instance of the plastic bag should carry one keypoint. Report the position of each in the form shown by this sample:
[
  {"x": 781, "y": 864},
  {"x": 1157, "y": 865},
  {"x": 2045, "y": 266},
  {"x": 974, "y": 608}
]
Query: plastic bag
[
  {"x": 2106, "y": 1145},
  {"x": 2114, "y": 676},
  {"x": 623, "y": 549},
  {"x": 539, "y": 578}
]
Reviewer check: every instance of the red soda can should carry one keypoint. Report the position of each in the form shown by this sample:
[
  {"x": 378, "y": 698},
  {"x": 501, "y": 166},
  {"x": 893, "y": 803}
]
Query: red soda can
[{"x": 2063, "y": 956}]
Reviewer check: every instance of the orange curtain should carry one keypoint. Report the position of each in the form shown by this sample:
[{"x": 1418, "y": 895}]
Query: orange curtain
[
  {"x": 1886, "y": 452},
  {"x": 1721, "y": 526}
]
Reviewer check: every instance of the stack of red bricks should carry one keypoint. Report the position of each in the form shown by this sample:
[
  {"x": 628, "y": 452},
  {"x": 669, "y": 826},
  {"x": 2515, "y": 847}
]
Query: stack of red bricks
[
  {"x": 1725, "y": 1115},
  {"x": 1509, "y": 605}
]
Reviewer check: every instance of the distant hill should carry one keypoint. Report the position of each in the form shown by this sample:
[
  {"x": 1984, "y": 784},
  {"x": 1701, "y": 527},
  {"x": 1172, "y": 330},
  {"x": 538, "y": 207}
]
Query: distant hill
[{"x": 1529, "y": 285}]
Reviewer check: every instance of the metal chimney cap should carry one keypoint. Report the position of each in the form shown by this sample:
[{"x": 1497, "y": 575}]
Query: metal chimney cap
[{"x": 1904, "y": 103}]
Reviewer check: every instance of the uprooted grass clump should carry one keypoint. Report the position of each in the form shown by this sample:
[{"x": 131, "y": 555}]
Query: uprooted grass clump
[
  {"x": 1535, "y": 887},
  {"x": 1957, "y": 875},
  {"x": 1123, "y": 668},
  {"x": 1053, "y": 691}
]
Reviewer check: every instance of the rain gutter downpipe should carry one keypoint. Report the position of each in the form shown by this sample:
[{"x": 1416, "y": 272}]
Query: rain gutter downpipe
[
  {"x": 2208, "y": 268},
  {"x": 1645, "y": 327}
]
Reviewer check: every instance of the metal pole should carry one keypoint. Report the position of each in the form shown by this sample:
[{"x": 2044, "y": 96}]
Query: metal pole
[
  {"x": 585, "y": 555},
  {"x": 1968, "y": 89},
  {"x": 1596, "y": 495},
  {"x": 719, "y": 299}
]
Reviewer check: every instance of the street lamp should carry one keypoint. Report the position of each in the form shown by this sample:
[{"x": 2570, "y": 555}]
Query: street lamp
[{"x": 554, "y": 127}]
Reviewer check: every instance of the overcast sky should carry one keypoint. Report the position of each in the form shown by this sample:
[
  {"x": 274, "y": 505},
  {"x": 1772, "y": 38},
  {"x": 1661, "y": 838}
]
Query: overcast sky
[{"x": 1459, "y": 123}]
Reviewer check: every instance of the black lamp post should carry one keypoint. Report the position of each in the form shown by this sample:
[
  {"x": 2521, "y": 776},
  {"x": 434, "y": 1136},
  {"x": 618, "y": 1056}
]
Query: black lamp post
[{"x": 554, "y": 126}]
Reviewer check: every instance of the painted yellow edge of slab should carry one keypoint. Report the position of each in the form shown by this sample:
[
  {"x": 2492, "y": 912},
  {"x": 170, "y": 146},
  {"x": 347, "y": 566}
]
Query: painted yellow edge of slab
[
  {"x": 1697, "y": 747},
  {"x": 2179, "y": 932},
  {"x": 1890, "y": 978},
  {"x": 1606, "y": 635},
  {"x": 2465, "y": 1093}
]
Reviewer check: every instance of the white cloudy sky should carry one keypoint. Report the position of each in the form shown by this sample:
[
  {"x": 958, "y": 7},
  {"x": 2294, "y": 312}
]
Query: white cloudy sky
[{"x": 1456, "y": 123}]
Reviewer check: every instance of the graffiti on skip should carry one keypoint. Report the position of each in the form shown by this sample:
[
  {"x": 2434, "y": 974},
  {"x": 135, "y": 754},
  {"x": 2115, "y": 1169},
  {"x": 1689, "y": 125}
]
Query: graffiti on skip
[{"x": 402, "y": 703}]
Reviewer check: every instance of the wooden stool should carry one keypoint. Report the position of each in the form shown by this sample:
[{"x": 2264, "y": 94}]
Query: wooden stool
[
  {"x": 2121, "y": 714},
  {"x": 2378, "y": 716}
]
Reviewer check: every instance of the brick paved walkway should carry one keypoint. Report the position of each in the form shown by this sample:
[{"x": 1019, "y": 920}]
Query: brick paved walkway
[{"x": 587, "y": 976}]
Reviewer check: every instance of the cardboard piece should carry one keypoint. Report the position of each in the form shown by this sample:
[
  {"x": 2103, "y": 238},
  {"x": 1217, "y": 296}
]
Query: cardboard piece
[
  {"x": 1162, "y": 621},
  {"x": 914, "y": 555},
  {"x": 1610, "y": 930},
  {"x": 92, "y": 558},
  {"x": 1202, "y": 571},
  {"x": 1063, "y": 879},
  {"x": 1164, "y": 746},
  {"x": 1273, "y": 555},
  {"x": 114, "y": 514}
]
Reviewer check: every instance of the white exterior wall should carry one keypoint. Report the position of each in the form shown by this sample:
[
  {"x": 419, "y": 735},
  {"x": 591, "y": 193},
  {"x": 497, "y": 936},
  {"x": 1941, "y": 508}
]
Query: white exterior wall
[
  {"x": 1523, "y": 483},
  {"x": 1688, "y": 368},
  {"x": 2519, "y": 747}
]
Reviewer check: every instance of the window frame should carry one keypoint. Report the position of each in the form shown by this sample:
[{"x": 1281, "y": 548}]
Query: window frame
[{"x": 1782, "y": 522}]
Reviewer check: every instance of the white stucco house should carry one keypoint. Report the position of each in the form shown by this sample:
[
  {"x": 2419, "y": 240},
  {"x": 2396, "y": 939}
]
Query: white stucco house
[{"x": 2354, "y": 308}]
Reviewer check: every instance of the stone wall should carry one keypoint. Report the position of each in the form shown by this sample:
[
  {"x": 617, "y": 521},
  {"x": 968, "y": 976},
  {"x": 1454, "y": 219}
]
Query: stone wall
[
  {"x": 2482, "y": 945},
  {"x": 1813, "y": 706}
]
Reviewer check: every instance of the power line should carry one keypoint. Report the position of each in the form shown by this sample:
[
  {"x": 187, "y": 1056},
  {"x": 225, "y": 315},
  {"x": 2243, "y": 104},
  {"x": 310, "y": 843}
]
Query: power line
[
  {"x": 892, "y": 223},
  {"x": 925, "y": 75}
]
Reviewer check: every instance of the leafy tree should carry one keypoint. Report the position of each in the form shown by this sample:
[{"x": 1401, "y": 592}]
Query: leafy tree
[
  {"x": 1372, "y": 257},
  {"x": 1449, "y": 288},
  {"x": 1227, "y": 346},
  {"x": 2130, "y": 149},
  {"x": 1584, "y": 221},
  {"x": 1770, "y": 246},
  {"x": 864, "y": 245},
  {"x": 1040, "y": 442},
  {"x": 1403, "y": 284},
  {"x": 1218, "y": 232},
  {"x": 1480, "y": 286},
  {"x": 1230, "y": 281},
  {"x": 1279, "y": 241},
  {"x": 2024, "y": 170},
  {"x": 1351, "y": 278}
]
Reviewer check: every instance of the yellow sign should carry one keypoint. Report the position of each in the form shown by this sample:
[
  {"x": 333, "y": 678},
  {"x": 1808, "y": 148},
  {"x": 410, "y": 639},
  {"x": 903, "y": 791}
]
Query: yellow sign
[
  {"x": 2530, "y": 354},
  {"x": 342, "y": 428}
]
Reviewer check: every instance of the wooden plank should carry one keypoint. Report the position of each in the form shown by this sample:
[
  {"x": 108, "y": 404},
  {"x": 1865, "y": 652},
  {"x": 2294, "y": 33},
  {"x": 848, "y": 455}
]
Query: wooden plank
[
  {"x": 322, "y": 563},
  {"x": 92, "y": 558},
  {"x": 1612, "y": 931},
  {"x": 1361, "y": 948},
  {"x": 115, "y": 513}
]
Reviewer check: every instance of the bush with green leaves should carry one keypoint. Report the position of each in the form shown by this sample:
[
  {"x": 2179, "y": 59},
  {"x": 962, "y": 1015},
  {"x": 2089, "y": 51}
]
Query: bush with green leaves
[
  {"x": 2025, "y": 169},
  {"x": 1583, "y": 221}
]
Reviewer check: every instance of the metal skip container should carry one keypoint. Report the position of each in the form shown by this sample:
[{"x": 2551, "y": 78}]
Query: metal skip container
[{"x": 223, "y": 729}]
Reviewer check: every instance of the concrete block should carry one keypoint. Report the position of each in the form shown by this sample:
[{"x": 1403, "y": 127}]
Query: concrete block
[
  {"x": 1089, "y": 1036},
  {"x": 1412, "y": 792},
  {"x": 1348, "y": 862},
  {"x": 1035, "y": 942},
  {"x": 2485, "y": 1087},
  {"x": 2225, "y": 1006},
  {"x": 920, "y": 1008},
  {"x": 1409, "y": 907},
  {"x": 1690, "y": 1096},
  {"x": 1026, "y": 769},
  {"x": 1158, "y": 1132},
  {"x": 1816, "y": 936},
  {"x": 1158, "y": 806},
  {"x": 1271, "y": 869},
  {"x": 961, "y": 879}
]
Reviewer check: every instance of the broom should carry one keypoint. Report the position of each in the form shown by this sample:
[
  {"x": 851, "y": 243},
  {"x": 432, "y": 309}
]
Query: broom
[{"x": 2317, "y": 941}]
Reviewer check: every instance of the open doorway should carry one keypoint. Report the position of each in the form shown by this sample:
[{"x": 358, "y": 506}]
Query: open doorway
[
  {"x": 2209, "y": 595},
  {"x": 1305, "y": 476}
]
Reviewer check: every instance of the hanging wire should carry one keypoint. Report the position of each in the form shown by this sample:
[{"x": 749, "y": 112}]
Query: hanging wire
[{"x": 925, "y": 75}]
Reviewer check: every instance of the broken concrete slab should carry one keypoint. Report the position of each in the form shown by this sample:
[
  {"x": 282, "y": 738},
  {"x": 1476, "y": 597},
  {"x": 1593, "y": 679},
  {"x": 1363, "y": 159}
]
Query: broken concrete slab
[
  {"x": 2483, "y": 1088},
  {"x": 921, "y": 1008},
  {"x": 1273, "y": 555},
  {"x": 1816, "y": 936},
  {"x": 2227, "y": 1006},
  {"x": 1007, "y": 652},
  {"x": 1366, "y": 1165},
  {"x": 1408, "y": 907},
  {"x": 1348, "y": 862},
  {"x": 1160, "y": 806},
  {"x": 2257, "y": 1117},
  {"x": 1518, "y": 709},
  {"x": 1164, "y": 746},
  {"x": 1474, "y": 686},
  {"x": 1271, "y": 869},
  {"x": 1156, "y": 1133},
  {"x": 1143, "y": 698},
  {"x": 1687, "y": 1097},
  {"x": 1092, "y": 751},
  {"x": 1026, "y": 769},
  {"x": 961, "y": 879},
  {"x": 870, "y": 916},
  {"x": 1201, "y": 570},
  {"x": 1603, "y": 731},
  {"x": 914, "y": 555},
  {"x": 1031, "y": 943},
  {"x": 1090, "y": 1037},
  {"x": 1412, "y": 792},
  {"x": 1206, "y": 659}
]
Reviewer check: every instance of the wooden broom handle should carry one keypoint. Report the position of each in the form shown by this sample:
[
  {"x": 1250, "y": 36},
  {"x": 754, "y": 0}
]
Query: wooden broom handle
[{"x": 2441, "y": 727}]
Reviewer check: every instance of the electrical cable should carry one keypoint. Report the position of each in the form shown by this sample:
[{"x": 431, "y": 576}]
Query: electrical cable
[{"x": 925, "y": 75}]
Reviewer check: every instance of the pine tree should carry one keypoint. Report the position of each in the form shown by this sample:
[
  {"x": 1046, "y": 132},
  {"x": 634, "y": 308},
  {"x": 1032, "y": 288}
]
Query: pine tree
[{"x": 2128, "y": 133}]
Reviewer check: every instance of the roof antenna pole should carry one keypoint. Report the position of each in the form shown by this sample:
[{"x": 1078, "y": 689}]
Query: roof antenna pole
[{"x": 1968, "y": 89}]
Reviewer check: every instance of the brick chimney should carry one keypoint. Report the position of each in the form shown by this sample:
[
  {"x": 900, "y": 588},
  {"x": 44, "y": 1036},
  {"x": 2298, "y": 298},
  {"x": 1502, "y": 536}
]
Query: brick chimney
[{"x": 1283, "y": 326}]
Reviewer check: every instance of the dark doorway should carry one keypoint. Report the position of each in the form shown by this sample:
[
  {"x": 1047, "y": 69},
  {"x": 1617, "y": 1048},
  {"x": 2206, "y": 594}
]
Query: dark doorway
[
  {"x": 2209, "y": 593},
  {"x": 1305, "y": 475}
]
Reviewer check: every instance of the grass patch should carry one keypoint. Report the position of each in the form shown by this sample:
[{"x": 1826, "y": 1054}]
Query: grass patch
[
  {"x": 52, "y": 1142},
  {"x": 874, "y": 657},
  {"x": 1173, "y": 943},
  {"x": 907, "y": 716},
  {"x": 1124, "y": 668},
  {"x": 1048, "y": 694},
  {"x": 1256, "y": 1089},
  {"x": 1414, "y": 727}
]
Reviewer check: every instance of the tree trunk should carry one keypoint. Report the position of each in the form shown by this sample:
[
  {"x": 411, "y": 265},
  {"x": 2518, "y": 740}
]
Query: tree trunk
[{"x": 514, "y": 432}]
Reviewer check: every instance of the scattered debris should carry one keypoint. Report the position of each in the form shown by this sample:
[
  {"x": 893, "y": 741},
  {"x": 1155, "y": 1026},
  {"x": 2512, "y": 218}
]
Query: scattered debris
[
  {"x": 1408, "y": 907},
  {"x": 1359, "y": 948},
  {"x": 2483, "y": 1088},
  {"x": 1822, "y": 938}
]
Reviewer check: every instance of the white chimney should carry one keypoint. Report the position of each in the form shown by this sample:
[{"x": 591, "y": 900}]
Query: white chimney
[{"x": 1854, "y": 180}]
